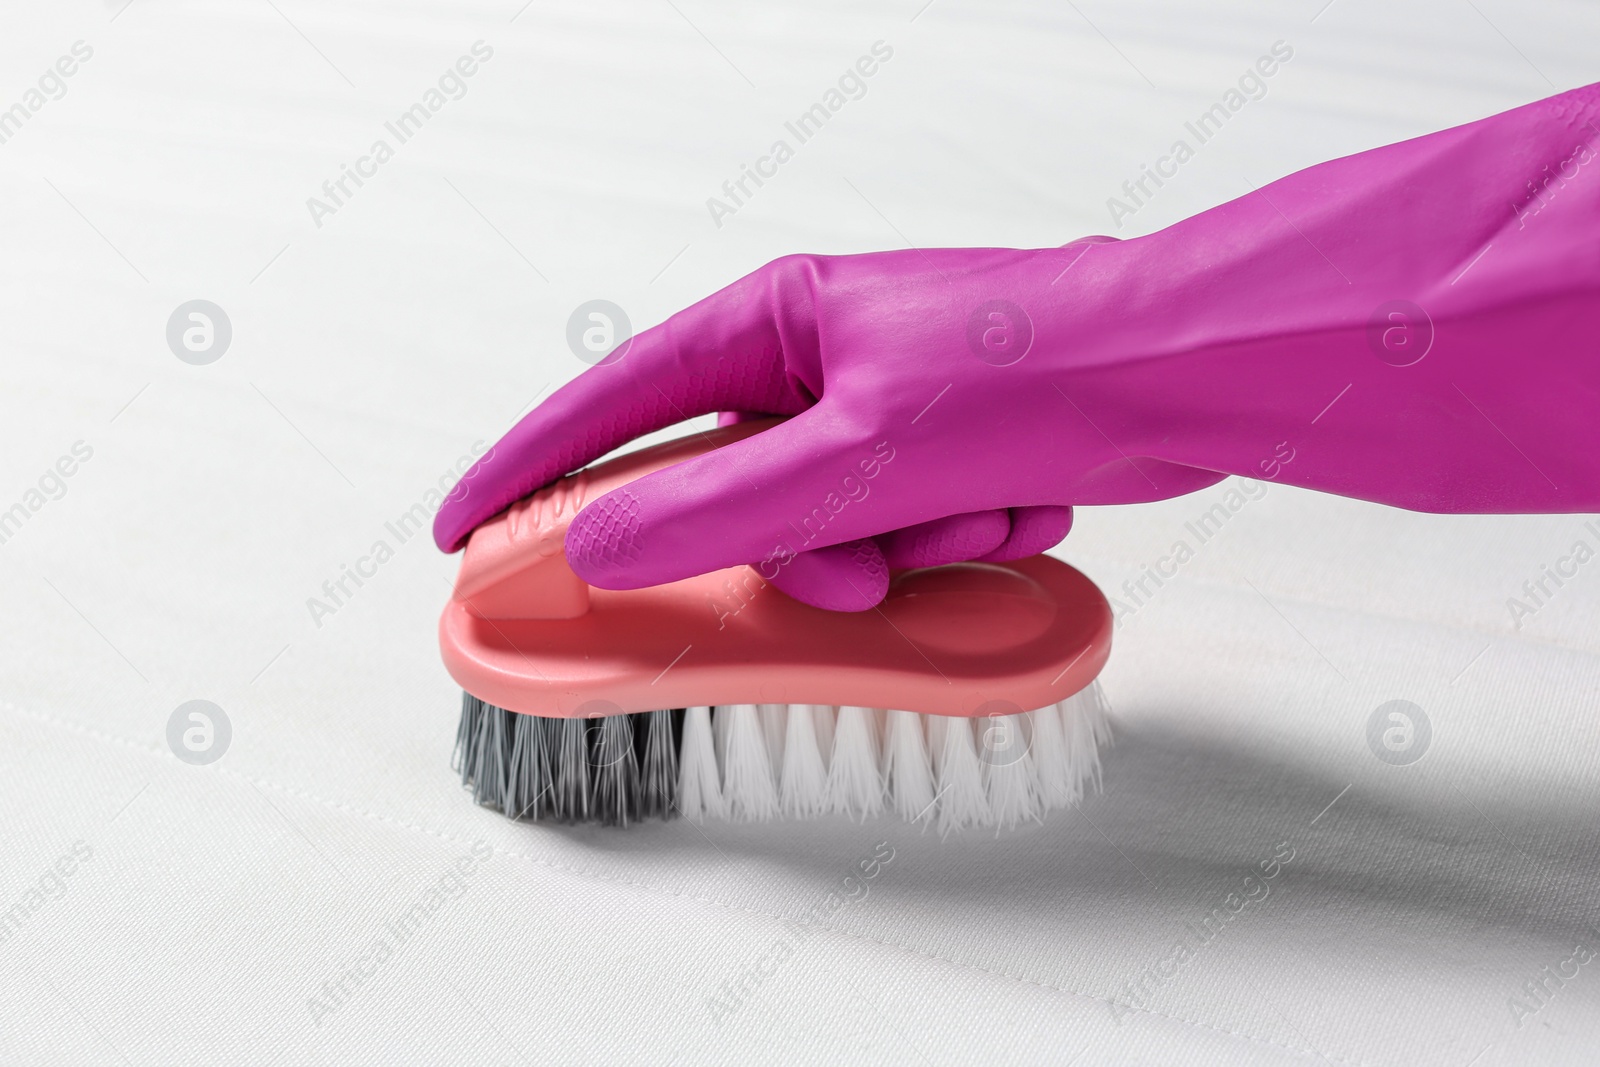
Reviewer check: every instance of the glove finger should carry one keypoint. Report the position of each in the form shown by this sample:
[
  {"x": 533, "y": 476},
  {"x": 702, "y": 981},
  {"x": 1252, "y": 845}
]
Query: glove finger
[
  {"x": 855, "y": 576},
  {"x": 848, "y": 577},
  {"x": 734, "y": 418},
  {"x": 767, "y": 498},
  {"x": 951, "y": 539},
  {"x": 1033, "y": 530},
  {"x": 723, "y": 353}
]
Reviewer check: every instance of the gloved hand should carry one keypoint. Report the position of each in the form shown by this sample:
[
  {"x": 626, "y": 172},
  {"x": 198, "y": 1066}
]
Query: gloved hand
[
  {"x": 919, "y": 410},
  {"x": 1415, "y": 325}
]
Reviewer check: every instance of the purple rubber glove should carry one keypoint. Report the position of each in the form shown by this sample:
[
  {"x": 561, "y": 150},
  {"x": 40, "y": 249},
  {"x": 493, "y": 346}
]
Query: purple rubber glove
[{"x": 1417, "y": 325}]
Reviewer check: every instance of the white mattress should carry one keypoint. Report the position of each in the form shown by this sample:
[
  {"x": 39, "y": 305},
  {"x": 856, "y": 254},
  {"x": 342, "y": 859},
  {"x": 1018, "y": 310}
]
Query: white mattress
[{"x": 176, "y": 914}]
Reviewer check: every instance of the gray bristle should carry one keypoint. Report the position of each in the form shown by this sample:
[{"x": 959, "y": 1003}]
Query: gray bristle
[
  {"x": 658, "y": 775},
  {"x": 529, "y": 776},
  {"x": 572, "y": 769},
  {"x": 614, "y": 771}
]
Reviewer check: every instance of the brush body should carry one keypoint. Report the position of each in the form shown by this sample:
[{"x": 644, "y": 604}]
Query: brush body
[{"x": 966, "y": 698}]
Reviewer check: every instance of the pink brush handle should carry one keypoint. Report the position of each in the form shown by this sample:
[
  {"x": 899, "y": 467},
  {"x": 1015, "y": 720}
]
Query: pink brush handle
[{"x": 515, "y": 565}]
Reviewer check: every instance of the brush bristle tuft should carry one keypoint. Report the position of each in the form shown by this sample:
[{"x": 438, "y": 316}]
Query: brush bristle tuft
[{"x": 749, "y": 762}]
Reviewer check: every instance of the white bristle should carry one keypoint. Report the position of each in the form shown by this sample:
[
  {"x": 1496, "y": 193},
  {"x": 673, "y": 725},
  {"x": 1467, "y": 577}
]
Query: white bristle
[
  {"x": 719, "y": 734},
  {"x": 907, "y": 773},
  {"x": 805, "y": 774},
  {"x": 1057, "y": 779},
  {"x": 773, "y": 718},
  {"x": 961, "y": 797},
  {"x": 855, "y": 785},
  {"x": 1009, "y": 779},
  {"x": 699, "y": 787},
  {"x": 747, "y": 779},
  {"x": 1097, "y": 710},
  {"x": 826, "y": 725},
  {"x": 1084, "y": 718},
  {"x": 933, "y": 728}
]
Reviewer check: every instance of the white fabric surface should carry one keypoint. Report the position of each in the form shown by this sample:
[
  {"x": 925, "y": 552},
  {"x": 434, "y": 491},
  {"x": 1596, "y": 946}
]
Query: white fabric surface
[{"x": 369, "y": 353}]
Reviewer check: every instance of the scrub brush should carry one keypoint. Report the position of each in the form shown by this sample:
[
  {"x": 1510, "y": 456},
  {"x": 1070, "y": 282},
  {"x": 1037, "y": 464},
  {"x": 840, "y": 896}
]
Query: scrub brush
[{"x": 968, "y": 698}]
